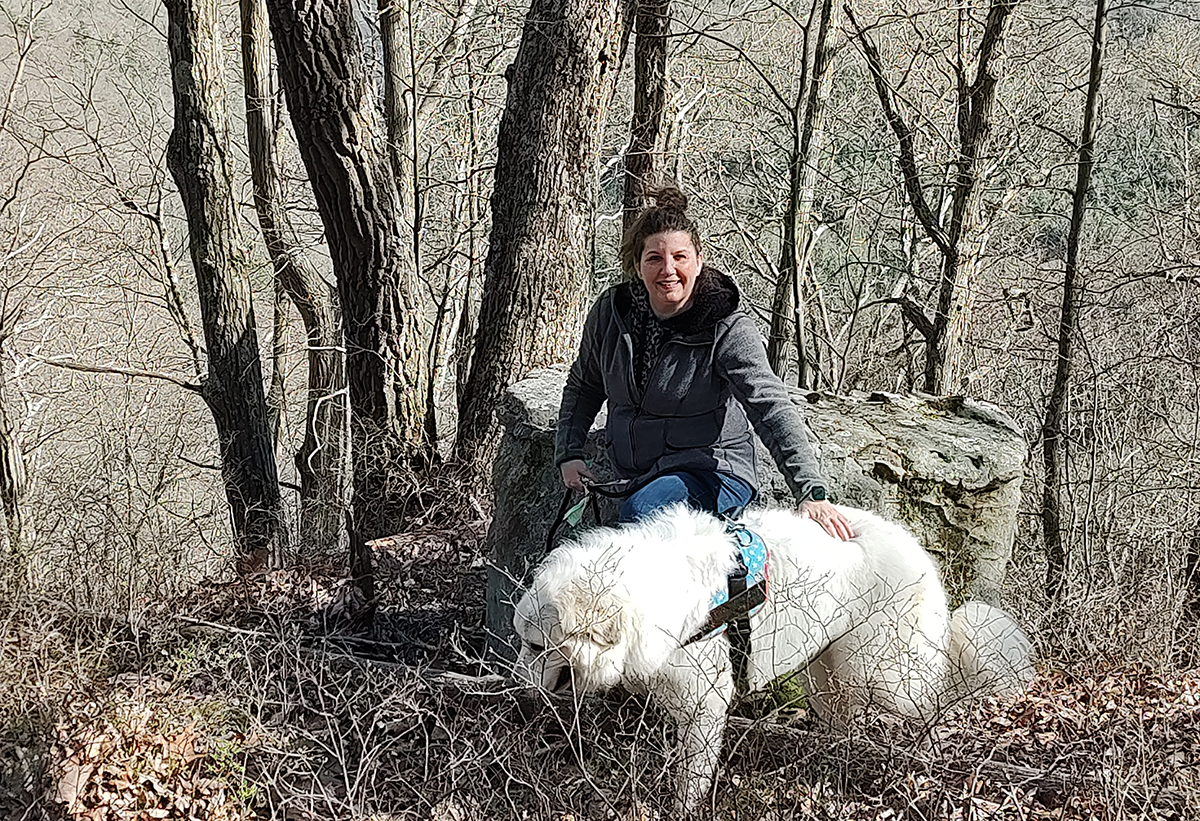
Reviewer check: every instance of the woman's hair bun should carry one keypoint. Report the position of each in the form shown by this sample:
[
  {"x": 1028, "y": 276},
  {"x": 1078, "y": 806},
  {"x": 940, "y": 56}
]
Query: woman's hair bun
[{"x": 670, "y": 197}]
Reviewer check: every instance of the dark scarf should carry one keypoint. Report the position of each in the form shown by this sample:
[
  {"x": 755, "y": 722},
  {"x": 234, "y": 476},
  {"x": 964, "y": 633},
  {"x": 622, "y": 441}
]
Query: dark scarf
[{"x": 714, "y": 298}]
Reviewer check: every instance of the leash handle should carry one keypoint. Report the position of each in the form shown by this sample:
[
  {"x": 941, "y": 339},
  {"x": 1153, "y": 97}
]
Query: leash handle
[{"x": 573, "y": 514}]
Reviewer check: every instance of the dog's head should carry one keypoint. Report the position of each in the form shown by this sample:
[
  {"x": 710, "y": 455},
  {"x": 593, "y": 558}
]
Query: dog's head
[{"x": 573, "y": 632}]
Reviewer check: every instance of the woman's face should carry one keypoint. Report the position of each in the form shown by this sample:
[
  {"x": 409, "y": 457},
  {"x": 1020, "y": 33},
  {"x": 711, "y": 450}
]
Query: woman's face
[{"x": 668, "y": 266}]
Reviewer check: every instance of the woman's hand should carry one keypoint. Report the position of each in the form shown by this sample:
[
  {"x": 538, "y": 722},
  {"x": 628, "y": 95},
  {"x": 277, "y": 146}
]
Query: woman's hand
[
  {"x": 574, "y": 472},
  {"x": 828, "y": 517}
]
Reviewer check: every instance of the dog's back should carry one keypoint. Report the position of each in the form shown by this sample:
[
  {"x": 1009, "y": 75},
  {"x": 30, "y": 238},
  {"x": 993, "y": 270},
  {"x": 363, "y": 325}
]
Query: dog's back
[{"x": 867, "y": 618}]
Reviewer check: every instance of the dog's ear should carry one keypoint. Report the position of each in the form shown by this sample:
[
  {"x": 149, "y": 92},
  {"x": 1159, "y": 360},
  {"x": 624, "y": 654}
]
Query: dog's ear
[
  {"x": 605, "y": 622},
  {"x": 548, "y": 618}
]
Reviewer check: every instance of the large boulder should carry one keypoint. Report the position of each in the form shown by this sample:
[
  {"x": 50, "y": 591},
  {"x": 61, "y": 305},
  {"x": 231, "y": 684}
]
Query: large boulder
[{"x": 947, "y": 467}]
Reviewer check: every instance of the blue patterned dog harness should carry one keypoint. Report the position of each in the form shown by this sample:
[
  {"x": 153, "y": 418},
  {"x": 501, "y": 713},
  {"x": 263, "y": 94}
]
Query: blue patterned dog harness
[
  {"x": 744, "y": 594},
  {"x": 752, "y": 572}
]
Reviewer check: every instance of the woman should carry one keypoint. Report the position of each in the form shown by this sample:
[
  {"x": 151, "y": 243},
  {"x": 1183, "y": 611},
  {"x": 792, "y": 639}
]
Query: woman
[{"x": 685, "y": 374}]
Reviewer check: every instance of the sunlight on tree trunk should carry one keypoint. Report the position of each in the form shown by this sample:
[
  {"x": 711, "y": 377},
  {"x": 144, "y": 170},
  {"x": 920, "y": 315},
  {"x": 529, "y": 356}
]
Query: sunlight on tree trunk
[
  {"x": 535, "y": 281},
  {"x": 197, "y": 154}
]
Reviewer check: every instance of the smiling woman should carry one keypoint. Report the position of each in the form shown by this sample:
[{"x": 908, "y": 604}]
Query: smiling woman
[
  {"x": 668, "y": 267},
  {"x": 685, "y": 374}
]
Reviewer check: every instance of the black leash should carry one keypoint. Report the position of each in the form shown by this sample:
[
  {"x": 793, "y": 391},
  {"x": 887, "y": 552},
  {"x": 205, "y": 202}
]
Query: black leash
[{"x": 573, "y": 513}]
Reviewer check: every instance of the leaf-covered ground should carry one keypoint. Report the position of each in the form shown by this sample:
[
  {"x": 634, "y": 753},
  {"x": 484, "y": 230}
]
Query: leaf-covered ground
[{"x": 245, "y": 703}]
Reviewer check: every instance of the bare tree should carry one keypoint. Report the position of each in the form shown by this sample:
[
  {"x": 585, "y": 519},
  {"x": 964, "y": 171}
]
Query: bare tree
[
  {"x": 653, "y": 25},
  {"x": 1073, "y": 284},
  {"x": 975, "y": 99},
  {"x": 535, "y": 285},
  {"x": 323, "y": 459},
  {"x": 412, "y": 90},
  {"x": 198, "y": 156},
  {"x": 333, "y": 115},
  {"x": 806, "y": 120},
  {"x": 12, "y": 470},
  {"x": 13, "y": 479}
]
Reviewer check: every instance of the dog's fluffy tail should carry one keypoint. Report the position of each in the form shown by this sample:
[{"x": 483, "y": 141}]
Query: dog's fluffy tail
[{"x": 989, "y": 653}]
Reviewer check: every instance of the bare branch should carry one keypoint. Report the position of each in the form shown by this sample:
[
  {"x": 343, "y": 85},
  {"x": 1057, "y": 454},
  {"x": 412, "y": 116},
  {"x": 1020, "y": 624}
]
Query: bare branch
[
  {"x": 445, "y": 58},
  {"x": 908, "y": 154},
  {"x": 911, "y": 311},
  {"x": 84, "y": 367},
  {"x": 1187, "y": 109}
]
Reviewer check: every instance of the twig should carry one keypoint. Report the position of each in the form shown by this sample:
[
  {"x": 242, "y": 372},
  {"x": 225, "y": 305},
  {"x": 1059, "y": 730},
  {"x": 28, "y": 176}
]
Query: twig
[{"x": 782, "y": 739}]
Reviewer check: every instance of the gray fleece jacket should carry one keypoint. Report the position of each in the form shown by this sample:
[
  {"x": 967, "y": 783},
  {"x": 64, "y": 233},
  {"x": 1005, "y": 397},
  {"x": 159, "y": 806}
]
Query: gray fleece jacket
[{"x": 710, "y": 385}]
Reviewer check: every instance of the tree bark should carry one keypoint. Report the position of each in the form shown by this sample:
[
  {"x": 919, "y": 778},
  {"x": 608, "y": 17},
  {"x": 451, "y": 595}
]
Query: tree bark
[
  {"x": 333, "y": 114},
  {"x": 1052, "y": 426},
  {"x": 323, "y": 459},
  {"x": 536, "y": 286},
  {"x": 197, "y": 154},
  {"x": 787, "y": 305},
  {"x": 400, "y": 131},
  {"x": 653, "y": 25}
]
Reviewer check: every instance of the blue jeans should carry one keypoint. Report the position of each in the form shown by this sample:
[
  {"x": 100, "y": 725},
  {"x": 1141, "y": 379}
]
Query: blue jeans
[{"x": 709, "y": 490}]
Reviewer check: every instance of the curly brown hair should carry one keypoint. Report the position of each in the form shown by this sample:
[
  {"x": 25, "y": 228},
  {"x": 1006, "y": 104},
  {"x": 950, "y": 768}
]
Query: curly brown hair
[{"x": 669, "y": 213}]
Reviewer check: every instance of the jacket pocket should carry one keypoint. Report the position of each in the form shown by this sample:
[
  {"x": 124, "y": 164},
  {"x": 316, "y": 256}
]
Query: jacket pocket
[{"x": 696, "y": 431}]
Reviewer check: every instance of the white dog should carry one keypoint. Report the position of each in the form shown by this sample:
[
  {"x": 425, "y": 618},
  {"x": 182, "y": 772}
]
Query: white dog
[{"x": 865, "y": 620}]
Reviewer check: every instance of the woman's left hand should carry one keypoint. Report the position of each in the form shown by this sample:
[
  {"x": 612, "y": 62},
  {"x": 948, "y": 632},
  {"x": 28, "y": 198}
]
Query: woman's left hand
[{"x": 828, "y": 517}]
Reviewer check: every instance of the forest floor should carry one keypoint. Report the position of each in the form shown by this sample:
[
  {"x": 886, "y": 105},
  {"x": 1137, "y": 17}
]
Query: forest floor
[{"x": 264, "y": 702}]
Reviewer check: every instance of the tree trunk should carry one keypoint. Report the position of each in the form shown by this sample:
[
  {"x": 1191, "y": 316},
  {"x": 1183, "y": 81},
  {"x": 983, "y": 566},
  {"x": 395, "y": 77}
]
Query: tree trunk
[
  {"x": 412, "y": 87},
  {"x": 333, "y": 114},
  {"x": 400, "y": 117},
  {"x": 1052, "y": 427},
  {"x": 323, "y": 459},
  {"x": 197, "y": 153},
  {"x": 649, "y": 102},
  {"x": 974, "y": 118},
  {"x": 788, "y": 305},
  {"x": 464, "y": 334},
  {"x": 12, "y": 479},
  {"x": 535, "y": 285}
]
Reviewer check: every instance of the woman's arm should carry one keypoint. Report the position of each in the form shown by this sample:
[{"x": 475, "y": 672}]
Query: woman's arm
[
  {"x": 583, "y": 393},
  {"x": 741, "y": 357}
]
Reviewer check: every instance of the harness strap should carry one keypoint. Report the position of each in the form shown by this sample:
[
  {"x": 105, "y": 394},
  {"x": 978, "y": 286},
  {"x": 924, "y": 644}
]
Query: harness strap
[
  {"x": 733, "y": 610},
  {"x": 734, "y": 613},
  {"x": 739, "y": 640}
]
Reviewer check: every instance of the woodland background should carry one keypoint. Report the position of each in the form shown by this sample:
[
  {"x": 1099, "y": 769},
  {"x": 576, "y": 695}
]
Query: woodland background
[{"x": 212, "y": 248}]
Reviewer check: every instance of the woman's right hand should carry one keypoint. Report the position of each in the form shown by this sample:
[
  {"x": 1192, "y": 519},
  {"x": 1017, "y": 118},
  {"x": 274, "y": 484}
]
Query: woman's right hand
[{"x": 574, "y": 472}]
